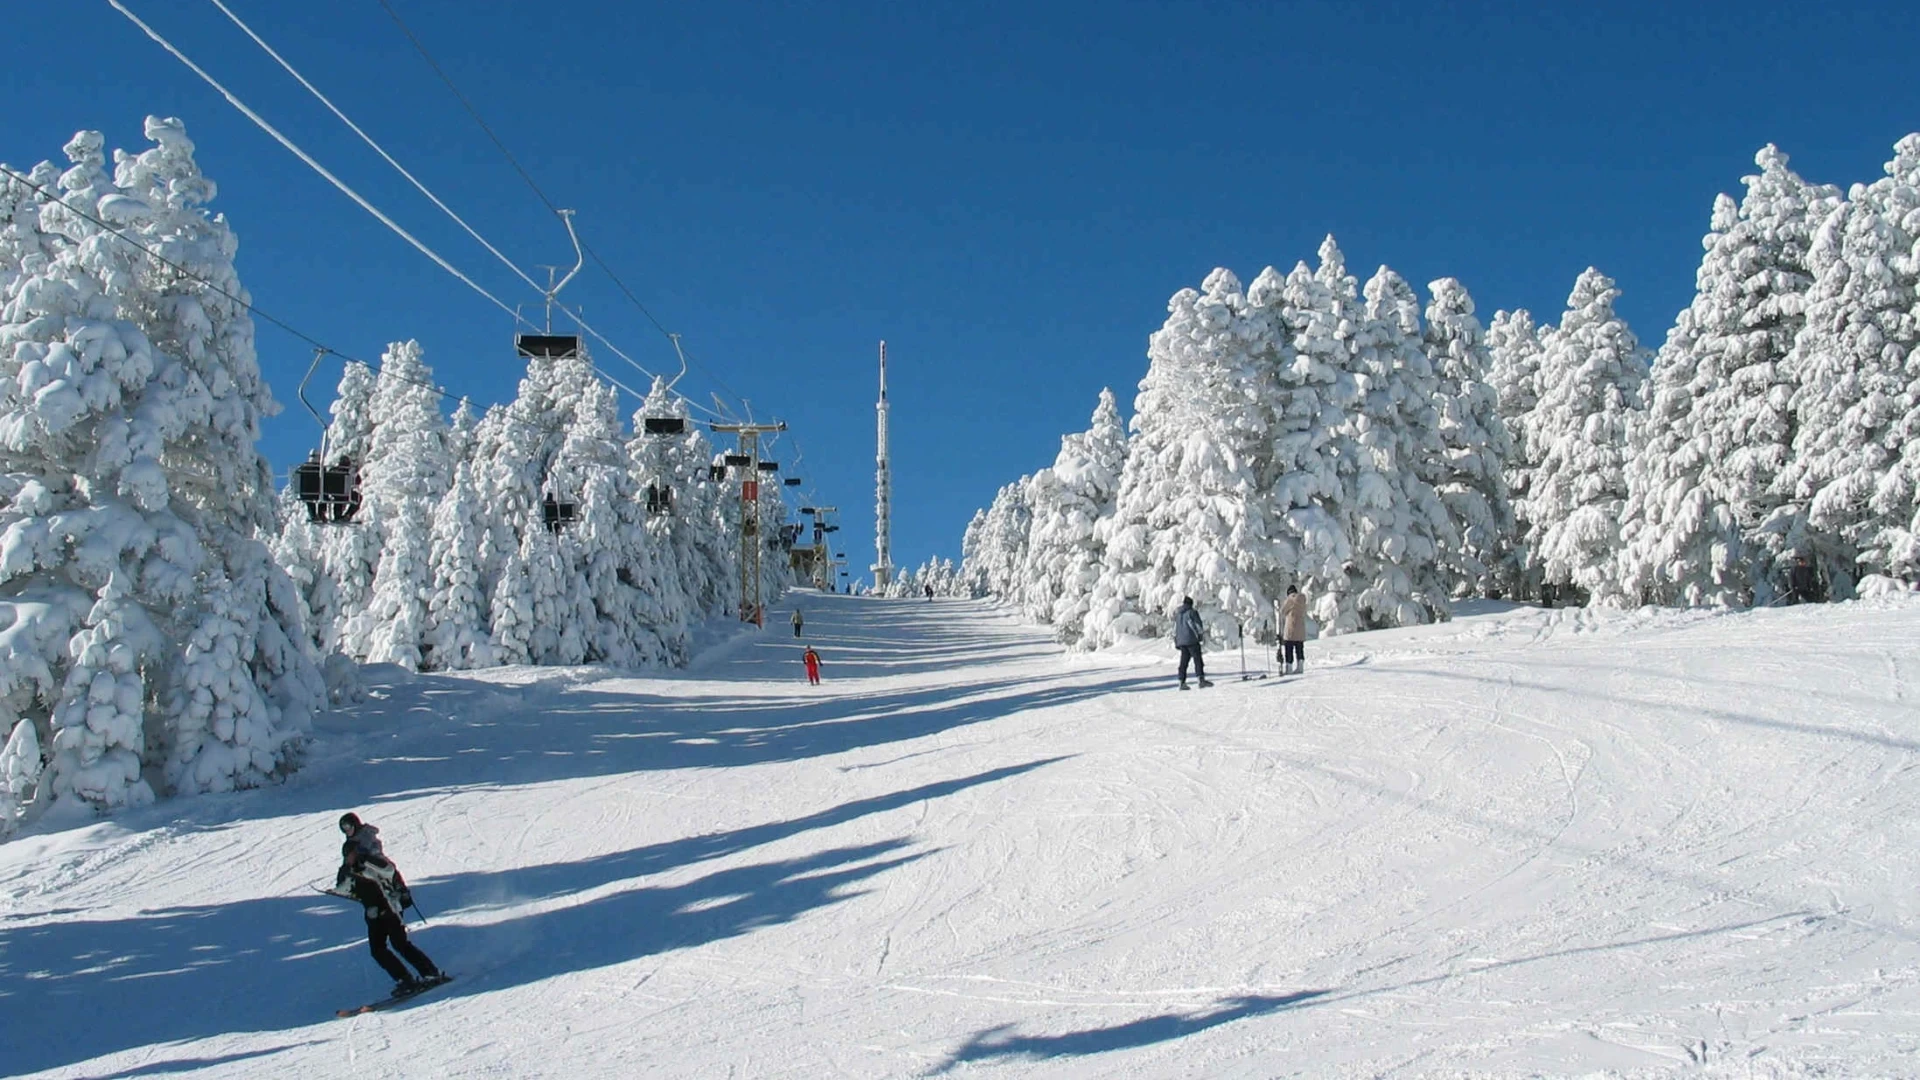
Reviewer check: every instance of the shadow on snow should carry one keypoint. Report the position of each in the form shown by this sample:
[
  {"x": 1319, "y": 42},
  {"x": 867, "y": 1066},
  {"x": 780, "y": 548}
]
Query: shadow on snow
[{"x": 280, "y": 963}]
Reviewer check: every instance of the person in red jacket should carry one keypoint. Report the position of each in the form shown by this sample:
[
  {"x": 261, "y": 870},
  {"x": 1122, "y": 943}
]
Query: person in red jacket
[{"x": 812, "y": 660}]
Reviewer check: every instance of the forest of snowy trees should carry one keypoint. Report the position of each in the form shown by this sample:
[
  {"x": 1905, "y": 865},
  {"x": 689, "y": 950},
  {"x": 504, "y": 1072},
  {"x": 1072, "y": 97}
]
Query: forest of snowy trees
[
  {"x": 1388, "y": 459},
  {"x": 169, "y": 622}
]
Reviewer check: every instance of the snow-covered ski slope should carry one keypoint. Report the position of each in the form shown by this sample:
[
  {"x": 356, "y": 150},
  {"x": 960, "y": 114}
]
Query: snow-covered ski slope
[{"x": 1522, "y": 843}]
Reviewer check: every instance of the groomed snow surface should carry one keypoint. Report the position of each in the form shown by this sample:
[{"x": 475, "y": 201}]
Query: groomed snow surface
[{"x": 1525, "y": 842}]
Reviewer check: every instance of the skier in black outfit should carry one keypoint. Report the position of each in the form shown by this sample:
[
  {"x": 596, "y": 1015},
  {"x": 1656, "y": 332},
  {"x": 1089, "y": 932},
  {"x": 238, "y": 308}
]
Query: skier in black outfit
[
  {"x": 1187, "y": 635},
  {"x": 1803, "y": 587},
  {"x": 369, "y": 877}
]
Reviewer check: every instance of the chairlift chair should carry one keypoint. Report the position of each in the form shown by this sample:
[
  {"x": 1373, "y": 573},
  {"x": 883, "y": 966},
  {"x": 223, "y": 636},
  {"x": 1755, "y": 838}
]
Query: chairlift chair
[
  {"x": 664, "y": 425},
  {"x": 793, "y": 481},
  {"x": 769, "y": 466},
  {"x": 331, "y": 493},
  {"x": 549, "y": 346},
  {"x": 738, "y": 461},
  {"x": 554, "y": 514},
  {"x": 659, "y": 499},
  {"x": 717, "y": 473}
]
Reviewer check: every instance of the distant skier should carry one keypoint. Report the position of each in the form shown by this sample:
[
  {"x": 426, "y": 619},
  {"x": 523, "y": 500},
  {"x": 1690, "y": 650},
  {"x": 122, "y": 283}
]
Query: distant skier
[
  {"x": 929, "y": 593},
  {"x": 1187, "y": 635},
  {"x": 798, "y": 620},
  {"x": 812, "y": 660},
  {"x": 1803, "y": 586},
  {"x": 1293, "y": 632},
  {"x": 367, "y": 876}
]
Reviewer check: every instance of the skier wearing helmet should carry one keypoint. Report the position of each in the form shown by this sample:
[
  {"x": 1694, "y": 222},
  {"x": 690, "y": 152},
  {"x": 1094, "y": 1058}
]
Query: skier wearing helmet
[{"x": 368, "y": 876}]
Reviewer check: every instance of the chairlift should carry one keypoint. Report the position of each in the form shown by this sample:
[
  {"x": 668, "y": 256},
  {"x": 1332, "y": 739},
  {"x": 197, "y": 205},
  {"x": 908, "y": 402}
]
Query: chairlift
[
  {"x": 664, "y": 425},
  {"x": 547, "y": 346},
  {"x": 806, "y": 509},
  {"x": 793, "y": 481},
  {"x": 331, "y": 493},
  {"x": 659, "y": 499},
  {"x": 769, "y": 466},
  {"x": 738, "y": 461},
  {"x": 554, "y": 514},
  {"x": 717, "y": 473}
]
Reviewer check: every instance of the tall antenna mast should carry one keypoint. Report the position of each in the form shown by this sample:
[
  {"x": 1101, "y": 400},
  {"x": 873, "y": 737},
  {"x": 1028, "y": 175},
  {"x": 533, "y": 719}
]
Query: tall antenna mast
[{"x": 883, "y": 491}]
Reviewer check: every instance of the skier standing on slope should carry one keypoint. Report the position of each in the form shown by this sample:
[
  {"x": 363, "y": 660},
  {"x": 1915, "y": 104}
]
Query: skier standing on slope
[
  {"x": 929, "y": 592},
  {"x": 1803, "y": 586},
  {"x": 1187, "y": 635},
  {"x": 812, "y": 660},
  {"x": 373, "y": 880},
  {"x": 798, "y": 621},
  {"x": 1293, "y": 632}
]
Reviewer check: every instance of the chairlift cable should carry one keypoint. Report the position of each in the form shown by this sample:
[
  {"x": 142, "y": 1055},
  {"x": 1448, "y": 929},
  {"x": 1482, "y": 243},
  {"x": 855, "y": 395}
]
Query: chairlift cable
[
  {"x": 500, "y": 145},
  {"x": 261, "y": 122},
  {"x": 252, "y": 308}
]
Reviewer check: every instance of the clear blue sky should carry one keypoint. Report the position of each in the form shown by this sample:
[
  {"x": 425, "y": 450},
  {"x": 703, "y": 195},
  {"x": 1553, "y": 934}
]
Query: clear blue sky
[{"x": 1007, "y": 193}]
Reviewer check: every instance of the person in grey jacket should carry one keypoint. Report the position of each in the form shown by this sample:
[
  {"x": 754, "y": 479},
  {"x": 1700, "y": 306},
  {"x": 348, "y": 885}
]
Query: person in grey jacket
[{"x": 1187, "y": 635}]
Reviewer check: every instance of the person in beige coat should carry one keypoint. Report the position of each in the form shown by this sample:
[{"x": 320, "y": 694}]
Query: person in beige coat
[{"x": 1293, "y": 632}]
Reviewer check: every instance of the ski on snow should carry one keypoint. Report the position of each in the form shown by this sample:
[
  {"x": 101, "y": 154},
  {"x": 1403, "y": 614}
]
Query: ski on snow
[{"x": 397, "y": 998}]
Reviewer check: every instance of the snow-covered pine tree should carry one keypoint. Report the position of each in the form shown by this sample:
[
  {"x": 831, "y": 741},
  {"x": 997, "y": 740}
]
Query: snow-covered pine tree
[
  {"x": 407, "y": 473},
  {"x": 973, "y": 575},
  {"x": 1190, "y": 517},
  {"x": 1853, "y": 357},
  {"x": 342, "y": 582},
  {"x": 689, "y": 574},
  {"x": 248, "y": 683},
  {"x": 1066, "y": 551},
  {"x": 130, "y": 401},
  {"x": 456, "y": 612},
  {"x": 1313, "y": 456},
  {"x": 1897, "y": 497},
  {"x": 1513, "y": 352},
  {"x": 20, "y": 768},
  {"x": 1398, "y": 525},
  {"x": 1590, "y": 382},
  {"x": 1470, "y": 474},
  {"x": 1703, "y": 523}
]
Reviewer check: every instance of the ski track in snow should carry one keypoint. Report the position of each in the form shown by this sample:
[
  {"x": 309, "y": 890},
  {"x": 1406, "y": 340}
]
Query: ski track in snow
[{"x": 1523, "y": 843}]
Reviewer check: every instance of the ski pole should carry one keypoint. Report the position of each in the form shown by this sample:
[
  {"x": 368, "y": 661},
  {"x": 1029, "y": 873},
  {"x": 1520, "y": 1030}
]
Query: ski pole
[{"x": 422, "y": 914}]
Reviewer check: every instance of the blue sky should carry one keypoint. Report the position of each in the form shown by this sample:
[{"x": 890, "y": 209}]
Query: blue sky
[{"x": 1008, "y": 193}]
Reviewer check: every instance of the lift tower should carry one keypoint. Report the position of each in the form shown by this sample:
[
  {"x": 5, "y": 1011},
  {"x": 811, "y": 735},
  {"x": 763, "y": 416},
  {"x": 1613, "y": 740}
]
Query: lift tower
[
  {"x": 747, "y": 461},
  {"x": 883, "y": 492}
]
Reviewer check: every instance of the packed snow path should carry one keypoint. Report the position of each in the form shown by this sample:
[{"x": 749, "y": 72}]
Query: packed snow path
[{"x": 1521, "y": 843}]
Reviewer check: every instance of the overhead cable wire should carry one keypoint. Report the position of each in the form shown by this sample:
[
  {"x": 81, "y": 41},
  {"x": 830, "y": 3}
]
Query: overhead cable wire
[
  {"x": 311, "y": 163},
  {"x": 252, "y": 308},
  {"x": 500, "y": 145},
  {"x": 368, "y": 139},
  {"x": 366, "y": 205}
]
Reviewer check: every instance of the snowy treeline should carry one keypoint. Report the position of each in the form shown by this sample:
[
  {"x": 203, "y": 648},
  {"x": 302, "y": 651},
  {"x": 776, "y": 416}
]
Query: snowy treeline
[
  {"x": 451, "y": 561},
  {"x": 148, "y": 642},
  {"x": 1304, "y": 430}
]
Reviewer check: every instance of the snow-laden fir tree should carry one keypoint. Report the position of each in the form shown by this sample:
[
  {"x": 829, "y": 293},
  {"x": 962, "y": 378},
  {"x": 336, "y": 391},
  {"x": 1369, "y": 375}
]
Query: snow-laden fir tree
[
  {"x": 939, "y": 573},
  {"x": 1398, "y": 525},
  {"x": 456, "y": 607},
  {"x": 1703, "y": 522},
  {"x": 1590, "y": 380},
  {"x": 998, "y": 555},
  {"x": 1897, "y": 497},
  {"x": 20, "y": 768},
  {"x": 1065, "y": 550},
  {"x": 1514, "y": 350},
  {"x": 1190, "y": 516},
  {"x": 1313, "y": 456},
  {"x": 407, "y": 473},
  {"x": 150, "y": 636},
  {"x": 1470, "y": 474},
  {"x": 342, "y": 558},
  {"x": 1853, "y": 356},
  {"x": 973, "y": 574},
  {"x": 692, "y": 573}
]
